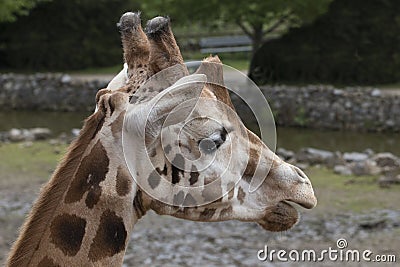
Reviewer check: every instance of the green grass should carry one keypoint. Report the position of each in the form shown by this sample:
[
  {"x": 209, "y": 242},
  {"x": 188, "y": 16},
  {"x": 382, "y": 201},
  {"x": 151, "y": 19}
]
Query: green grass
[
  {"x": 350, "y": 193},
  {"x": 25, "y": 166}
]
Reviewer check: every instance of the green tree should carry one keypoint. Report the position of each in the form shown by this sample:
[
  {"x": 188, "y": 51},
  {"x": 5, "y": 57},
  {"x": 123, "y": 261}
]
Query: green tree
[
  {"x": 259, "y": 19},
  {"x": 10, "y": 9}
]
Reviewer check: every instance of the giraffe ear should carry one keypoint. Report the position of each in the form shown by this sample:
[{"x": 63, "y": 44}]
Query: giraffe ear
[
  {"x": 171, "y": 106},
  {"x": 213, "y": 68}
]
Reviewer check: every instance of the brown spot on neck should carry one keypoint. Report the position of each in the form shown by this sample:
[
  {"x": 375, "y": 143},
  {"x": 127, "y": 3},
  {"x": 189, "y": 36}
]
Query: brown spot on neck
[
  {"x": 47, "y": 262},
  {"x": 91, "y": 172},
  {"x": 67, "y": 233},
  {"x": 124, "y": 181},
  {"x": 110, "y": 238}
]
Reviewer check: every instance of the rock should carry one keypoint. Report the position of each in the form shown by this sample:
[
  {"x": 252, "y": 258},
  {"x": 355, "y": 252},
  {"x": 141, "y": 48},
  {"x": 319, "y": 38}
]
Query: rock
[
  {"x": 369, "y": 152},
  {"x": 66, "y": 78},
  {"x": 40, "y": 133},
  {"x": 342, "y": 170},
  {"x": 302, "y": 166},
  {"x": 16, "y": 135},
  {"x": 376, "y": 92},
  {"x": 285, "y": 154},
  {"x": 386, "y": 160},
  {"x": 75, "y": 132},
  {"x": 338, "y": 92},
  {"x": 337, "y": 159},
  {"x": 390, "y": 171},
  {"x": 354, "y": 156},
  {"x": 314, "y": 156},
  {"x": 54, "y": 142},
  {"x": 366, "y": 167},
  {"x": 387, "y": 181}
]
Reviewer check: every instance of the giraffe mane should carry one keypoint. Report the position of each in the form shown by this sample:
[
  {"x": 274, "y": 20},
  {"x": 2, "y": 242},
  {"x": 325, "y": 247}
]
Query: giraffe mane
[{"x": 52, "y": 193}]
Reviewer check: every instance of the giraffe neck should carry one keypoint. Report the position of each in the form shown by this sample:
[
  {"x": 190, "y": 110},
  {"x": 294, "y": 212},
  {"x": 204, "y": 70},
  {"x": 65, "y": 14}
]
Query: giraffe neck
[{"x": 85, "y": 213}]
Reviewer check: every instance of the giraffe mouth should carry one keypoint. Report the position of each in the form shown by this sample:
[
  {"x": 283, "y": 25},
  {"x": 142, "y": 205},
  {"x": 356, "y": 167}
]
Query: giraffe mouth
[{"x": 280, "y": 217}]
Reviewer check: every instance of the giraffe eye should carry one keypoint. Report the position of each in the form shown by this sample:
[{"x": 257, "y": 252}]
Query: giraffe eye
[
  {"x": 207, "y": 145},
  {"x": 211, "y": 144}
]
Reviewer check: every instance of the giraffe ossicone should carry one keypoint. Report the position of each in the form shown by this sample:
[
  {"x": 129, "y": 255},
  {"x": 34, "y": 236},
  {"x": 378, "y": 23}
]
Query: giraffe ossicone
[{"x": 160, "y": 139}]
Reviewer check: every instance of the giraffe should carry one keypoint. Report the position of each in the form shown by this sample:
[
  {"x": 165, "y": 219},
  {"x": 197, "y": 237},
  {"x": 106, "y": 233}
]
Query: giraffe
[{"x": 85, "y": 214}]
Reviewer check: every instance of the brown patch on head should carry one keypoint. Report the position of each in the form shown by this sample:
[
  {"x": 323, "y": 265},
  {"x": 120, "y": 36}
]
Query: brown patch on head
[
  {"x": 124, "y": 182},
  {"x": 47, "y": 262},
  {"x": 67, "y": 233},
  {"x": 178, "y": 198},
  {"x": 178, "y": 165},
  {"x": 110, "y": 238},
  {"x": 194, "y": 175},
  {"x": 207, "y": 214},
  {"x": 241, "y": 195},
  {"x": 213, "y": 191},
  {"x": 225, "y": 213},
  {"x": 154, "y": 179},
  {"x": 167, "y": 149},
  {"x": 231, "y": 188},
  {"x": 155, "y": 176},
  {"x": 90, "y": 173},
  {"x": 164, "y": 171},
  {"x": 256, "y": 146},
  {"x": 189, "y": 200},
  {"x": 252, "y": 163}
]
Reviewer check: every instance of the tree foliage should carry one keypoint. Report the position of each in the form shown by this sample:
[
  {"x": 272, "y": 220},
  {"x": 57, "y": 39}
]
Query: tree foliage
[
  {"x": 257, "y": 18},
  {"x": 64, "y": 35},
  {"x": 10, "y": 9},
  {"x": 355, "y": 42}
]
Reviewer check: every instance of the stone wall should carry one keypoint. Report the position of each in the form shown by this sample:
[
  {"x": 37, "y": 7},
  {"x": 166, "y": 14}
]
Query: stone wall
[
  {"x": 326, "y": 107},
  {"x": 365, "y": 109},
  {"x": 52, "y": 92}
]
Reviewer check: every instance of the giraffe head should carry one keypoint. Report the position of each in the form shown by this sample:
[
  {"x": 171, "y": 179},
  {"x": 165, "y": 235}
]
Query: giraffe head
[
  {"x": 185, "y": 146},
  {"x": 193, "y": 158}
]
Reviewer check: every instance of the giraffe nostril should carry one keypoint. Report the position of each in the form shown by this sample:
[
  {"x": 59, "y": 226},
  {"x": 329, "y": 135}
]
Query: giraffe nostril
[{"x": 300, "y": 173}]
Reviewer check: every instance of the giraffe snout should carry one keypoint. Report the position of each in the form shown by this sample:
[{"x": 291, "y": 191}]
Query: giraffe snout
[{"x": 294, "y": 185}]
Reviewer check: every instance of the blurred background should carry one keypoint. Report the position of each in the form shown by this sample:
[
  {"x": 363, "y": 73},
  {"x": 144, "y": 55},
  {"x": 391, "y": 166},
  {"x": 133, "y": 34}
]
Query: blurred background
[{"x": 330, "y": 70}]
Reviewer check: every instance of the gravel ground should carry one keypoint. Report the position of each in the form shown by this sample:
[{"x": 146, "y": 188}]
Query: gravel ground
[{"x": 167, "y": 241}]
